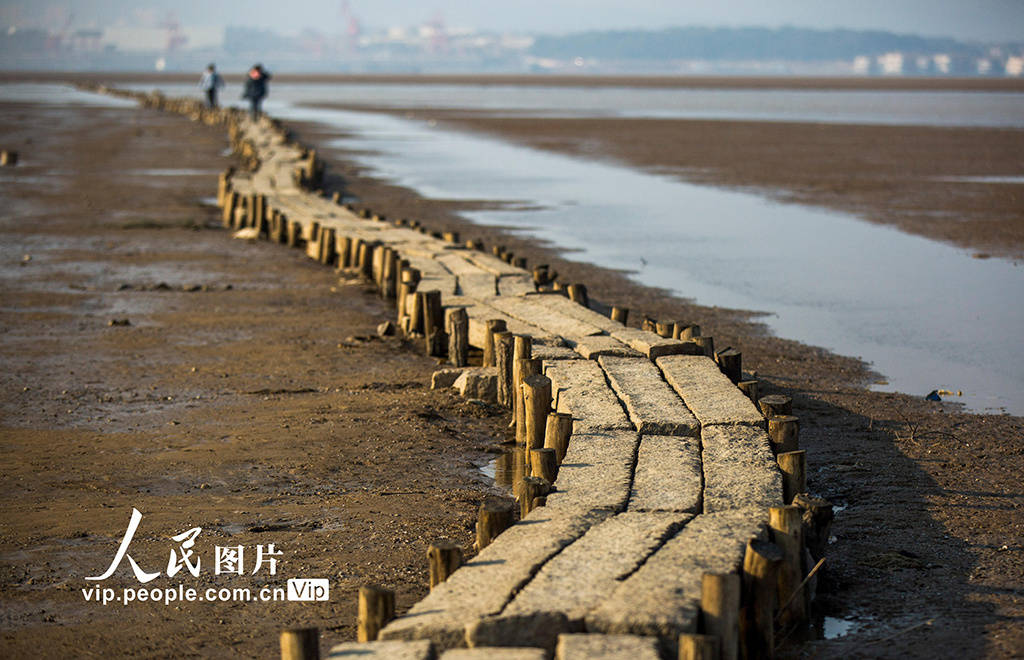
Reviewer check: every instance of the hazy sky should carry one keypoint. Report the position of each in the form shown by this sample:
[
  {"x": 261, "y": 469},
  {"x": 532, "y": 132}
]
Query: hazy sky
[{"x": 963, "y": 19}]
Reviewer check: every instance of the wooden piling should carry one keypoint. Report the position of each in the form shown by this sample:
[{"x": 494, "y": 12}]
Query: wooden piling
[
  {"x": 544, "y": 464},
  {"x": 522, "y": 349},
  {"x": 557, "y": 432},
  {"x": 493, "y": 518},
  {"x": 450, "y": 236},
  {"x": 503, "y": 344},
  {"x": 730, "y": 362},
  {"x": 774, "y": 405},
  {"x": 529, "y": 489},
  {"x": 414, "y": 310},
  {"x": 406, "y": 293},
  {"x": 786, "y": 525},
  {"x": 784, "y": 432},
  {"x": 444, "y": 557},
  {"x": 458, "y": 337},
  {"x": 294, "y": 234},
  {"x": 620, "y": 314},
  {"x": 536, "y": 406},
  {"x": 376, "y": 608},
  {"x": 8, "y": 158},
  {"x": 300, "y": 644},
  {"x": 794, "y": 479},
  {"x": 578, "y": 294},
  {"x": 327, "y": 250},
  {"x": 706, "y": 343},
  {"x": 344, "y": 245},
  {"x": 665, "y": 328},
  {"x": 433, "y": 323},
  {"x": 720, "y": 611},
  {"x": 494, "y": 326},
  {"x": 699, "y": 647},
  {"x": 757, "y": 620},
  {"x": 230, "y": 205}
]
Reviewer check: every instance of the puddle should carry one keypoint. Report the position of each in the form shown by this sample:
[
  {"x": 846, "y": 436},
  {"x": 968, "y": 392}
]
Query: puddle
[
  {"x": 506, "y": 469},
  {"x": 996, "y": 180},
  {"x": 926, "y": 315},
  {"x": 173, "y": 172},
  {"x": 834, "y": 627}
]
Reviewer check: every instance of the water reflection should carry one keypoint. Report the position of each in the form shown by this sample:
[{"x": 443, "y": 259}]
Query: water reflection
[{"x": 509, "y": 468}]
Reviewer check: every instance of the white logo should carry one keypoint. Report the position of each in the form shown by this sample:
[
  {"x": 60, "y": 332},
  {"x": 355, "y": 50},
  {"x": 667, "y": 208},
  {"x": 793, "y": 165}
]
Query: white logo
[{"x": 308, "y": 589}]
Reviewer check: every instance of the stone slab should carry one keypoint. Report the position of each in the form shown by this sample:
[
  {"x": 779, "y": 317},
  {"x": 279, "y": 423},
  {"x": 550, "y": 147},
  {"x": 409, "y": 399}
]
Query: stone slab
[
  {"x": 653, "y": 345},
  {"x": 478, "y": 383},
  {"x": 563, "y": 305},
  {"x": 653, "y": 406},
  {"x": 662, "y": 598},
  {"x": 445, "y": 378},
  {"x": 492, "y": 264},
  {"x": 527, "y": 308},
  {"x": 596, "y": 345},
  {"x": 595, "y": 474},
  {"x": 484, "y": 585},
  {"x": 707, "y": 392},
  {"x": 583, "y": 575},
  {"x": 668, "y": 475},
  {"x": 551, "y": 351},
  {"x": 739, "y": 469},
  {"x": 579, "y": 388},
  {"x": 393, "y": 650},
  {"x": 516, "y": 285},
  {"x": 495, "y": 654},
  {"x": 577, "y": 646}
]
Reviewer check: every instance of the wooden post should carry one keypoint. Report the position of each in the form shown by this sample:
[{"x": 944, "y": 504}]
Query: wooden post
[
  {"x": 544, "y": 464},
  {"x": 775, "y": 405},
  {"x": 760, "y": 570},
  {"x": 720, "y": 611},
  {"x": 557, "y": 432},
  {"x": 665, "y": 328},
  {"x": 699, "y": 647},
  {"x": 389, "y": 279},
  {"x": 578, "y": 294},
  {"x": 223, "y": 185},
  {"x": 794, "y": 479},
  {"x": 344, "y": 244},
  {"x": 493, "y": 518},
  {"x": 406, "y": 293},
  {"x": 620, "y": 314},
  {"x": 529, "y": 489},
  {"x": 458, "y": 337},
  {"x": 376, "y": 609},
  {"x": 503, "y": 344},
  {"x": 786, "y": 525},
  {"x": 706, "y": 343},
  {"x": 356, "y": 247},
  {"x": 451, "y": 236},
  {"x": 414, "y": 310},
  {"x": 817, "y": 518},
  {"x": 748, "y": 387},
  {"x": 519, "y": 262},
  {"x": 230, "y": 204},
  {"x": 494, "y": 326},
  {"x": 540, "y": 275},
  {"x": 8, "y": 158},
  {"x": 294, "y": 233},
  {"x": 444, "y": 557},
  {"x": 537, "y": 405},
  {"x": 522, "y": 349},
  {"x": 327, "y": 251},
  {"x": 730, "y": 363},
  {"x": 433, "y": 323},
  {"x": 784, "y": 432},
  {"x": 300, "y": 644}
]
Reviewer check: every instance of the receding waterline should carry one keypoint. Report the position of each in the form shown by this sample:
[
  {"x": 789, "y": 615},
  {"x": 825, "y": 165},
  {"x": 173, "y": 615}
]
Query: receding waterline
[{"x": 924, "y": 314}]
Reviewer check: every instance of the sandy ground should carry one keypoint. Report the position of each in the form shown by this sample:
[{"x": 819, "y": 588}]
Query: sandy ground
[
  {"x": 249, "y": 396},
  {"x": 334, "y": 450}
]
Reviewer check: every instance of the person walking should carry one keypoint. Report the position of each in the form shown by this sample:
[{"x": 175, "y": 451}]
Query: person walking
[
  {"x": 256, "y": 89},
  {"x": 210, "y": 83}
]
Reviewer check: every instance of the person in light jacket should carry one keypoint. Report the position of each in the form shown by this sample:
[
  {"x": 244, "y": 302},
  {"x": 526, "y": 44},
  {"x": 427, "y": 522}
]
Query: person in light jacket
[{"x": 210, "y": 83}]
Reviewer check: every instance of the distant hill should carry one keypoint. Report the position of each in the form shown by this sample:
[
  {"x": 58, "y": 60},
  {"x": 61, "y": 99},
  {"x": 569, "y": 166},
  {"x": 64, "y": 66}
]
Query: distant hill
[{"x": 697, "y": 43}]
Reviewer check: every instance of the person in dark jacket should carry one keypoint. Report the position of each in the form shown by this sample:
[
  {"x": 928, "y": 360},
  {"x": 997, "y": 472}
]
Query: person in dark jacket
[{"x": 256, "y": 89}]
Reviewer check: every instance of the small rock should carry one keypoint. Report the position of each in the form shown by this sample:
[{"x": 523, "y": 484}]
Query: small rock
[
  {"x": 386, "y": 329},
  {"x": 119, "y": 322}
]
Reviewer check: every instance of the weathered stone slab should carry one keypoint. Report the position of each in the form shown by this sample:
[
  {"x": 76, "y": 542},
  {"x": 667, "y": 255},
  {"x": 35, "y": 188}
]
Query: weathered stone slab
[
  {"x": 596, "y": 473},
  {"x": 548, "y": 350},
  {"x": 577, "y": 646},
  {"x": 596, "y": 345},
  {"x": 478, "y": 383},
  {"x": 653, "y": 406},
  {"x": 739, "y": 469},
  {"x": 583, "y": 575},
  {"x": 495, "y": 654},
  {"x": 652, "y": 345},
  {"x": 529, "y": 309},
  {"x": 394, "y": 650},
  {"x": 483, "y": 586},
  {"x": 662, "y": 598},
  {"x": 539, "y": 630},
  {"x": 563, "y": 305},
  {"x": 707, "y": 392},
  {"x": 668, "y": 475},
  {"x": 480, "y": 285},
  {"x": 492, "y": 264},
  {"x": 579, "y": 388},
  {"x": 516, "y": 285},
  {"x": 445, "y": 378},
  {"x": 479, "y": 314}
]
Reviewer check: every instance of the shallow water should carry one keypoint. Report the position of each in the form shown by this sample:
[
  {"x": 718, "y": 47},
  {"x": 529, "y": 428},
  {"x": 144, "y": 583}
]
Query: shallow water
[{"x": 926, "y": 315}]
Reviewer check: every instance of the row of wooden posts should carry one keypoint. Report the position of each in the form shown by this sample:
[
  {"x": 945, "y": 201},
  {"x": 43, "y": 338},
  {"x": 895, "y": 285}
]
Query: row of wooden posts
[{"x": 739, "y": 611}]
